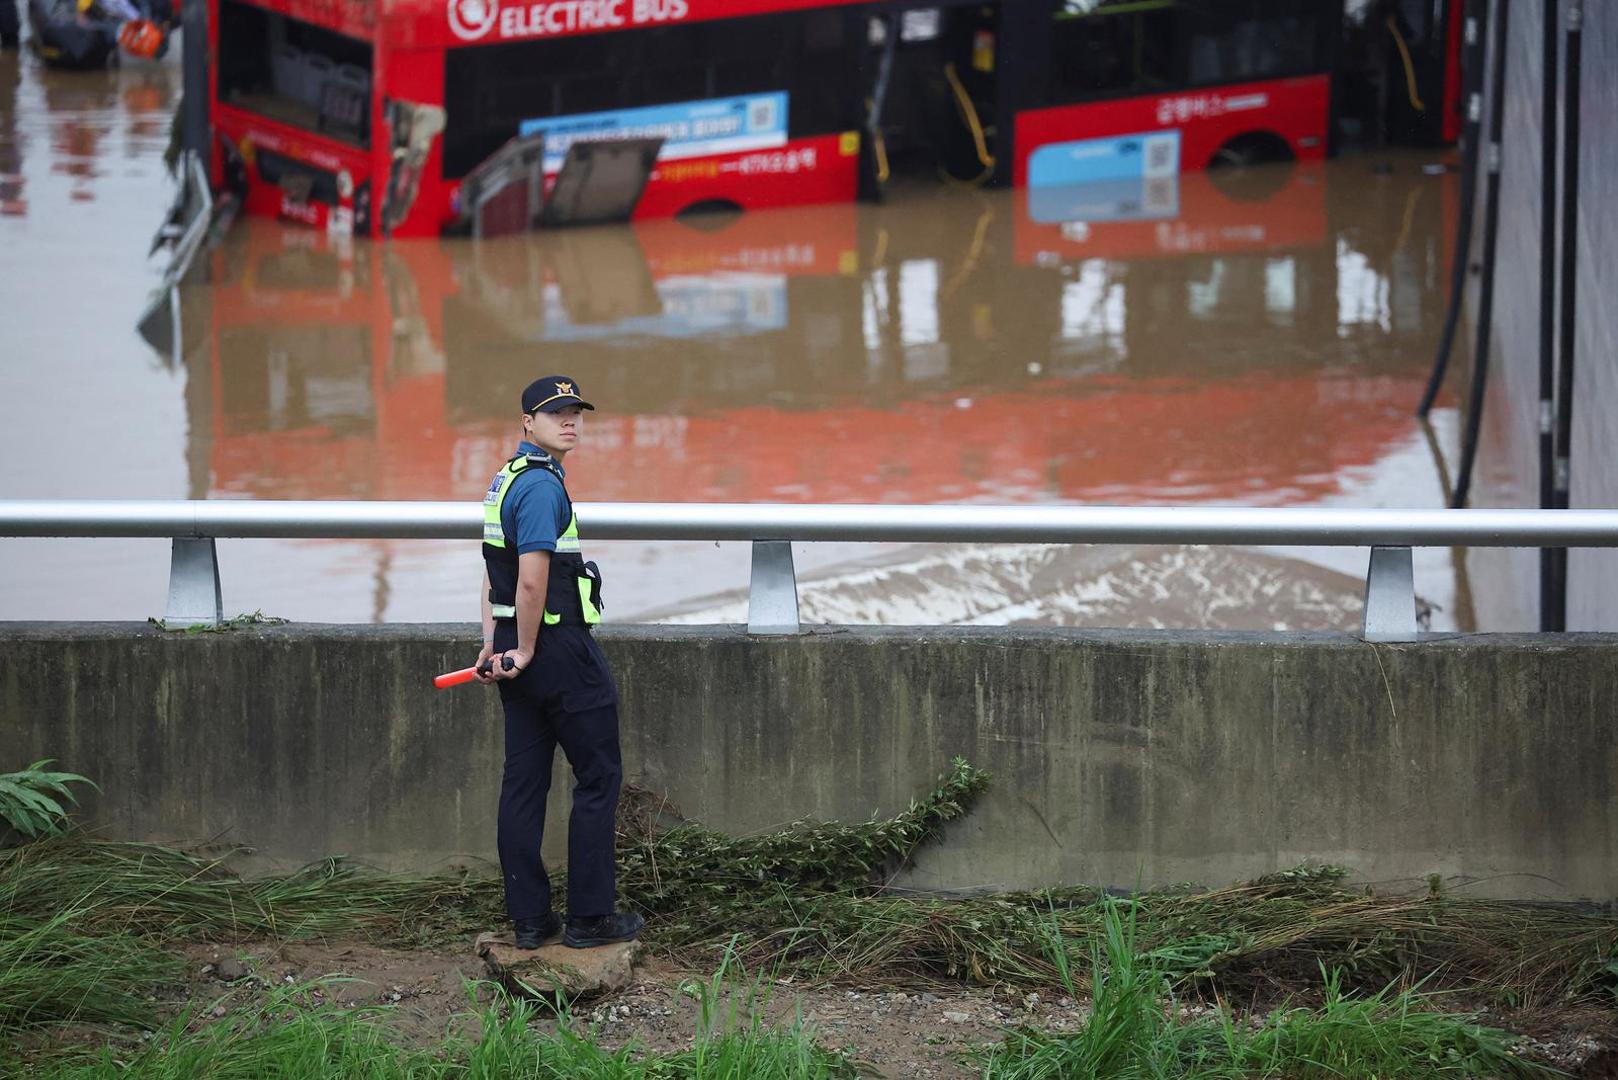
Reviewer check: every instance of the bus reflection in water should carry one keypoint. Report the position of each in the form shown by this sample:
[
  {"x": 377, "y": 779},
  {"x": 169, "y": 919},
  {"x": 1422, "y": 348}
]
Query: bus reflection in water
[
  {"x": 364, "y": 118},
  {"x": 826, "y": 353}
]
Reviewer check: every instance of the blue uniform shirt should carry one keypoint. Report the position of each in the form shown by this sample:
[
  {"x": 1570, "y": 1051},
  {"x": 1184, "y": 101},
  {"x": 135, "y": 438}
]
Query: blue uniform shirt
[{"x": 536, "y": 510}]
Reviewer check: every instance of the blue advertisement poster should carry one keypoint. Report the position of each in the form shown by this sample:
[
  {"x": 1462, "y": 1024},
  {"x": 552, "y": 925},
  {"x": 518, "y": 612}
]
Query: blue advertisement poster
[
  {"x": 1105, "y": 200},
  {"x": 689, "y": 129},
  {"x": 1120, "y": 178},
  {"x": 1145, "y": 156}
]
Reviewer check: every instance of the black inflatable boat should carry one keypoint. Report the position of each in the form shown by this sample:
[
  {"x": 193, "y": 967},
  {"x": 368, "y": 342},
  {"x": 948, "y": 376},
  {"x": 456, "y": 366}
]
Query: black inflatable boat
[{"x": 64, "y": 38}]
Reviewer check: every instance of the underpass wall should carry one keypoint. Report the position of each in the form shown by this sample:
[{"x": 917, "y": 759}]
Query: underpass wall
[
  {"x": 1119, "y": 757},
  {"x": 1508, "y": 457}
]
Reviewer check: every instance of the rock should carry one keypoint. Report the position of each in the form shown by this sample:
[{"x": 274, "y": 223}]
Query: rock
[
  {"x": 557, "y": 969},
  {"x": 230, "y": 969},
  {"x": 956, "y": 1017},
  {"x": 351, "y": 992}
]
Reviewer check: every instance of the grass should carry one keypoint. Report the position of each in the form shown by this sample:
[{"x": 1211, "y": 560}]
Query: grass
[
  {"x": 1278, "y": 930},
  {"x": 1135, "y": 1031},
  {"x": 166, "y": 895},
  {"x": 289, "y": 1038},
  {"x": 809, "y": 900},
  {"x": 50, "y": 971},
  {"x": 86, "y": 928}
]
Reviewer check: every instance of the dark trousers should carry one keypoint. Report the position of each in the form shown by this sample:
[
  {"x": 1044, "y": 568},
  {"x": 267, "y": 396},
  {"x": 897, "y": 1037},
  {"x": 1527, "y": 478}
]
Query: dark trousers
[{"x": 565, "y": 698}]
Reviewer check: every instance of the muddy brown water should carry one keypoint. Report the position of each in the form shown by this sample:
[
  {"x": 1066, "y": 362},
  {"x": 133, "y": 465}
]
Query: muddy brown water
[{"x": 1256, "y": 339}]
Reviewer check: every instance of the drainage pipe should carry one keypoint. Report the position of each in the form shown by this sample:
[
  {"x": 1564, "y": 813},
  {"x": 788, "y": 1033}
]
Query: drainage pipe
[
  {"x": 1471, "y": 133},
  {"x": 1551, "y": 607},
  {"x": 1491, "y": 233},
  {"x": 1570, "y": 275}
]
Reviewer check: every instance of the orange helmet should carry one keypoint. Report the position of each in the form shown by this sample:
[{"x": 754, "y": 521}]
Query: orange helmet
[{"x": 140, "y": 37}]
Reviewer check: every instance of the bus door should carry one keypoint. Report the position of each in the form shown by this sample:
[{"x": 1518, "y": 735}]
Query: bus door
[
  {"x": 1399, "y": 78},
  {"x": 933, "y": 93}
]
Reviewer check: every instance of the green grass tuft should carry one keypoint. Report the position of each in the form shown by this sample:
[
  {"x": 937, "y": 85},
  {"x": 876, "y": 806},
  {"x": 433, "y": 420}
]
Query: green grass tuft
[
  {"x": 51, "y": 972},
  {"x": 32, "y": 800},
  {"x": 1134, "y": 1031}
]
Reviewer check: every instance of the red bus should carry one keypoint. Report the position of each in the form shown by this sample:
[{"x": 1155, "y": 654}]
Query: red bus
[
  {"x": 1190, "y": 84},
  {"x": 360, "y": 116},
  {"x": 364, "y": 117}
]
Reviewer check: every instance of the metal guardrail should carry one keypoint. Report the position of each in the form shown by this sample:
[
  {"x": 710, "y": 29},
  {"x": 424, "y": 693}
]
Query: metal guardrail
[{"x": 1390, "y": 609}]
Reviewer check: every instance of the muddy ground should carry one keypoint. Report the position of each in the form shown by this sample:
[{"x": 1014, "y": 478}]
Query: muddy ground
[{"x": 922, "y": 1032}]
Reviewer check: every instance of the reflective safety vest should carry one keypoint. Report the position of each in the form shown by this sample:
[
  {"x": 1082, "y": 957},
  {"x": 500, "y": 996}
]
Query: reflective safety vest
[{"x": 573, "y": 593}]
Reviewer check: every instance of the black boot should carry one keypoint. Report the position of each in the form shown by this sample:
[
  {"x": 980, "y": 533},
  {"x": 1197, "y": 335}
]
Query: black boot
[
  {"x": 532, "y": 933},
  {"x": 593, "y": 930}
]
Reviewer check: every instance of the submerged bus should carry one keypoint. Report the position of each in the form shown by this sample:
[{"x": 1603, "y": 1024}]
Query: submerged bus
[{"x": 370, "y": 118}]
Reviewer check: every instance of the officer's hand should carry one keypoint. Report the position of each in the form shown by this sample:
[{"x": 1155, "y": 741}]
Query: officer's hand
[
  {"x": 482, "y": 666},
  {"x": 511, "y": 663}
]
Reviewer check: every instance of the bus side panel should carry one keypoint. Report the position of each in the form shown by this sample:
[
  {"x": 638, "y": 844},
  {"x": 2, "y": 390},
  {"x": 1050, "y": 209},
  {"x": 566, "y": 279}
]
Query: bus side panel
[
  {"x": 815, "y": 169},
  {"x": 1298, "y": 110},
  {"x": 252, "y": 135},
  {"x": 416, "y": 76}
]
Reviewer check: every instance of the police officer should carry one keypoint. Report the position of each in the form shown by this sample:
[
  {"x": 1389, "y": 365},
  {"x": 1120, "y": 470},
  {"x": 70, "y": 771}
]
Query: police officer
[{"x": 540, "y": 601}]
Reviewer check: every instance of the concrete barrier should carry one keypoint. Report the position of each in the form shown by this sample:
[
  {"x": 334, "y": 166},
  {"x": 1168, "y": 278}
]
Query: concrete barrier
[{"x": 1120, "y": 757}]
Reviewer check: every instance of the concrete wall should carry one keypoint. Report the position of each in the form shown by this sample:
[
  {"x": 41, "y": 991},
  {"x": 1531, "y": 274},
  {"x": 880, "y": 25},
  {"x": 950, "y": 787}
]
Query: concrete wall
[
  {"x": 1119, "y": 756},
  {"x": 1508, "y": 462}
]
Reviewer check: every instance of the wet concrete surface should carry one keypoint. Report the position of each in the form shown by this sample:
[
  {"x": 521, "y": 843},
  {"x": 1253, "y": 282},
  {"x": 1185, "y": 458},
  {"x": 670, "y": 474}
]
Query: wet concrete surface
[{"x": 1259, "y": 339}]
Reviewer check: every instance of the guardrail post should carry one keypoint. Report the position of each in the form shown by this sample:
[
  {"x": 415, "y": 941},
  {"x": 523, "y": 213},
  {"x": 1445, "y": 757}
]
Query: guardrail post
[
  {"x": 194, "y": 584},
  {"x": 1390, "y": 596},
  {"x": 772, "y": 596}
]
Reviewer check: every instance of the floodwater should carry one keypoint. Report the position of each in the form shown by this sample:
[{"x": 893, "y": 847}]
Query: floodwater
[{"x": 1256, "y": 339}]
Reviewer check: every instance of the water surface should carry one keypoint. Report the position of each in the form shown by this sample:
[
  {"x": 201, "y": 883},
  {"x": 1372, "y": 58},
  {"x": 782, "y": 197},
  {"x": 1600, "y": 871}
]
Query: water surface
[{"x": 1255, "y": 339}]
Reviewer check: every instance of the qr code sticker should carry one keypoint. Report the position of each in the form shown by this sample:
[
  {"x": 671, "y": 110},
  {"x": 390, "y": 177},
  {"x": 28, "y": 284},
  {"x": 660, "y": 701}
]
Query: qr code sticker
[
  {"x": 1162, "y": 155},
  {"x": 761, "y": 304},
  {"x": 1161, "y": 195},
  {"x": 761, "y": 114}
]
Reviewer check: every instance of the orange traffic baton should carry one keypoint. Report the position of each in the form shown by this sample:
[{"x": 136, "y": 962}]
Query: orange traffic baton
[
  {"x": 466, "y": 675},
  {"x": 455, "y": 678}
]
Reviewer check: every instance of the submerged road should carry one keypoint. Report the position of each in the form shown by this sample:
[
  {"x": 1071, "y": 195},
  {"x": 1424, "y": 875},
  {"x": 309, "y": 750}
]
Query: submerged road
[{"x": 1258, "y": 342}]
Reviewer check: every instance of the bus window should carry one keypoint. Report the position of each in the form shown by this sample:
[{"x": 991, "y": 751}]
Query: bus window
[
  {"x": 813, "y": 56},
  {"x": 1106, "y": 53},
  {"x": 294, "y": 72},
  {"x": 1249, "y": 41},
  {"x": 1116, "y": 51}
]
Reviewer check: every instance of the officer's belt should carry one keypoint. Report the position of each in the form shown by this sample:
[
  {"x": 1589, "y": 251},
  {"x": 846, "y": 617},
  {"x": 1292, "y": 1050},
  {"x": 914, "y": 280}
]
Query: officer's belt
[{"x": 509, "y": 611}]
